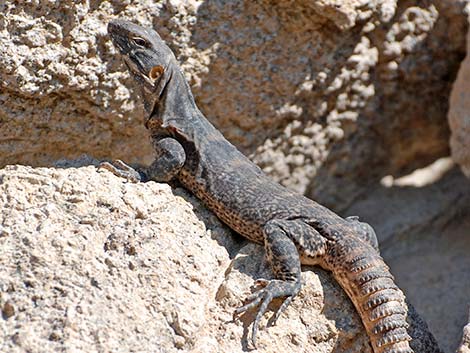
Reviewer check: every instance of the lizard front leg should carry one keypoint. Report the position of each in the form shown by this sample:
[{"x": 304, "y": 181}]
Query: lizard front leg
[
  {"x": 169, "y": 159},
  {"x": 283, "y": 241}
]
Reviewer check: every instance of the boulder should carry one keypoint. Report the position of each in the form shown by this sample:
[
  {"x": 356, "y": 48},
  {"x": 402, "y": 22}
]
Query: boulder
[
  {"x": 91, "y": 263},
  {"x": 326, "y": 96}
]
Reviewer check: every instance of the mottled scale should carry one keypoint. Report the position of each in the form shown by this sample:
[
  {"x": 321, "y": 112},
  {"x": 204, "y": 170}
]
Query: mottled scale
[
  {"x": 360, "y": 264},
  {"x": 387, "y": 309},
  {"x": 374, "y": 273},
  {"x": 383, "y": 296},
  {"x": 229, "y": 216},
  {"x": 395, "y": 336},
  {"x": 377, "y": 284},
  {"x": 390, "y": 323}
]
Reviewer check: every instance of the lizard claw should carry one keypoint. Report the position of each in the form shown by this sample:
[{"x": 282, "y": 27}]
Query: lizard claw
[
  {"x": 262, "y": 297},
  {"x": 121, "y": 169}
]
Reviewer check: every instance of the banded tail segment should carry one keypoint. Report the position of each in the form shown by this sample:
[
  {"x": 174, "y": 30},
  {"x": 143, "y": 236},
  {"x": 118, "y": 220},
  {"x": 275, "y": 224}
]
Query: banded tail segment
[{"x": 365, "y": 277}]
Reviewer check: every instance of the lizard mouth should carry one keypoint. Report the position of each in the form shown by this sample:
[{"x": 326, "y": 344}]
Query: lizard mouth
[{"x": 134, "y": 64}]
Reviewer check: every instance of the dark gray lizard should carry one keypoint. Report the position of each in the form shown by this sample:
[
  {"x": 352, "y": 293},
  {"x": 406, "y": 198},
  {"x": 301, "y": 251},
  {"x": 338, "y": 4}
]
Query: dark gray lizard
[{"x": 293, "y": 229}]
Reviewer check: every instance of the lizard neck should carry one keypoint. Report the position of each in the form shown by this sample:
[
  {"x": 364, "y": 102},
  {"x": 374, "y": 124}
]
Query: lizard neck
[
  {"x": 177, "y": 115},
  {"x": 176, "y": 109}
]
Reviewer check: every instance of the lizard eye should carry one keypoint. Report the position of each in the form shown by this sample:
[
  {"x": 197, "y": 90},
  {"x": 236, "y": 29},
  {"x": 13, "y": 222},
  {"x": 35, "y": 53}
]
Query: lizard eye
[
  {"x": 155, "y": 72},
  {"x": 141, "y": 42}
]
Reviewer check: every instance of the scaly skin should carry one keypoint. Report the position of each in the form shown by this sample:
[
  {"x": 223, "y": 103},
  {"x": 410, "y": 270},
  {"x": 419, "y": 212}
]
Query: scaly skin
[{"x": 294, "y": 230}]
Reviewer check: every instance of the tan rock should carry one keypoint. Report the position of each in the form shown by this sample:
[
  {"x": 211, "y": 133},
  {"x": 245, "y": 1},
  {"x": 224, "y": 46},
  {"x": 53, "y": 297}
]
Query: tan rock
[
  {"x": 91, "y": 263},
  {"x": 326, "y": 95},
  {"x": 78, "y": 263}
]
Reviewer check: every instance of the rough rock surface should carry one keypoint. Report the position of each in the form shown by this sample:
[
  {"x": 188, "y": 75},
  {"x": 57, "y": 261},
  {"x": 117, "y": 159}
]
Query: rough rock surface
[
  {"x": 327, "y": 95},
  {"x": 91, "y": 263},
  {"x": 465, "y": 344},
  {"x": 459, "y": 114}
]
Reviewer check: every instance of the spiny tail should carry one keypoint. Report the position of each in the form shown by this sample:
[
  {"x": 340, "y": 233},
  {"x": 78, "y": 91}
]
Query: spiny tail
[{"x": 366, "y": 278}]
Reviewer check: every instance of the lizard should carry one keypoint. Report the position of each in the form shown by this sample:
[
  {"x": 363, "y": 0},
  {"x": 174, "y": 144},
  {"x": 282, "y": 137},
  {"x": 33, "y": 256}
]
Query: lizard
[{"x": 293, "y": 229}]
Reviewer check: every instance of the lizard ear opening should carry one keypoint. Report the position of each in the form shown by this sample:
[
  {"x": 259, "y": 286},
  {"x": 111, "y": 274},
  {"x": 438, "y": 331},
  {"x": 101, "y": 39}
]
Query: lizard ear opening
[{"x": 155, "y": 72}]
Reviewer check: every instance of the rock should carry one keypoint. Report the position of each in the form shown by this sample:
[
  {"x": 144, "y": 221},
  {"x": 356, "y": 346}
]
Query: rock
[
  {"x": 459, "y": 115},
  {"x": 90, "y": 262},
  {"x": 465, "y": 344},
  {"x": 8, "y": 310},
  {"x": 325, "y": 95}
]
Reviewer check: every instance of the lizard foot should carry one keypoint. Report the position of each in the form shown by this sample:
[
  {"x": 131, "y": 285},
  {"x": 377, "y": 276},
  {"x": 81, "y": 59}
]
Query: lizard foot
[
  {"x": 121, "y": 169},
  {"x": 269, "y": 290}
]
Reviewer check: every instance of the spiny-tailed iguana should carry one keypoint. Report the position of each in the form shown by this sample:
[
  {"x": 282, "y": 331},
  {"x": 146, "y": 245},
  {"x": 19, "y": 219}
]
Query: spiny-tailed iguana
[{"x": 293, "y": 229}]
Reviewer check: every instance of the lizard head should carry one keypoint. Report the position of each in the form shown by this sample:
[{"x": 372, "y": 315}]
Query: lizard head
[{"x": 149, "y": 59}]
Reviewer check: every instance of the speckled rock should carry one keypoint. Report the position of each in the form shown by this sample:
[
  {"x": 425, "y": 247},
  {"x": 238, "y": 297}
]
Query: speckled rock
[
  {"x": 325, "y": 95},
  {"x": 91, "y": 263}
]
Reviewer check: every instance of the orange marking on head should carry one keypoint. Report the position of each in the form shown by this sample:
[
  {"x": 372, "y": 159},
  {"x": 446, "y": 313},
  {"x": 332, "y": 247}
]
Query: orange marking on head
[{"x": 155, "y": 72}]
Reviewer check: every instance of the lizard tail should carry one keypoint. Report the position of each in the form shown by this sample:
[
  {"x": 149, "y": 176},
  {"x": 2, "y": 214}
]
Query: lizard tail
[{"x": 381, "y": 304}]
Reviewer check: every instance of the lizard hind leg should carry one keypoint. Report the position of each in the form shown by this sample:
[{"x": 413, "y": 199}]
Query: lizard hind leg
[
  {"x": 364, "y": 231},
  {"x": 283, "y": 241}
]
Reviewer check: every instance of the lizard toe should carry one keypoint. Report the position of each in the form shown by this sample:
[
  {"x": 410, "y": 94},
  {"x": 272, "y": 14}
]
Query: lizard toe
[
  {"x": 264, "y": 296},
  {"x": 121, "y": 169}
]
